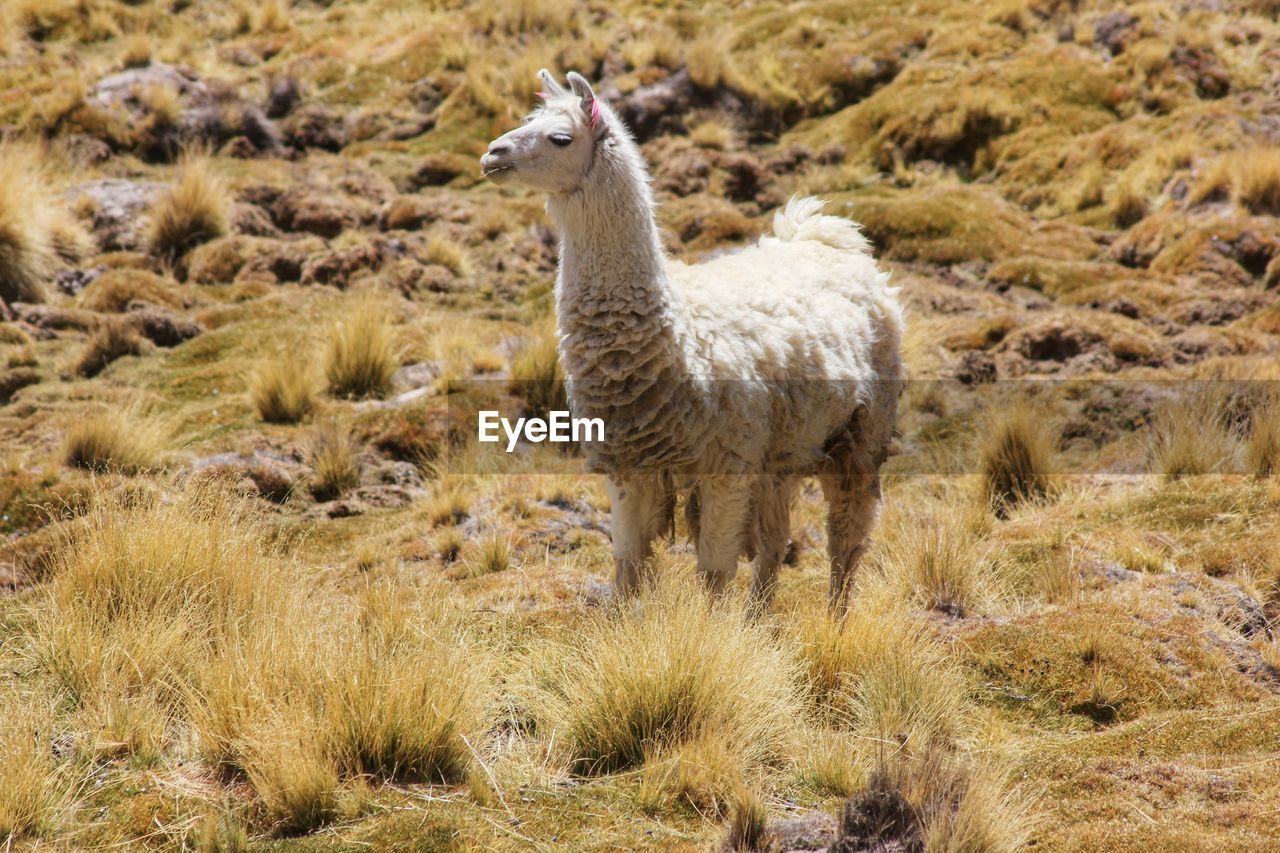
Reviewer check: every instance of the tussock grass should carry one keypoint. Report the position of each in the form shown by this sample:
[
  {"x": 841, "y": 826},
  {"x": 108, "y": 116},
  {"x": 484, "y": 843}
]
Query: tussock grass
[
  {"x": 537, "y": 376},
  {"x": 36, "y": 229},
  {"x": 450, "y": 255},
  {"x": 148, "y": 588},
  {"x": 335, "y": 456},
  {"x": 282, "y": 390},
  {"x": 115, "y": 289},
  {"x": 881, "y": 675},
  {"x": 1262, "y": 445},
  {"x": 938, "y": 801},
  {"x": 286, "y": 764},
  {"x": 194, "y": 210},
  {"x": 746, "y": 829},
  {"x": 936, "y": 560},
  {"x": 33, "y": 791},
  {"x": 677, "y": 672},
  {"x": 128, "y": 440},
  {"x": 1250, "y": 177},
  {"x": 114, "y": 339},
  {"x": 1016, "y": 456},
  {"x": 361, "y": 357},
  {"x": 1191, "y": 435},
  {"x": 493, "y": 555}
]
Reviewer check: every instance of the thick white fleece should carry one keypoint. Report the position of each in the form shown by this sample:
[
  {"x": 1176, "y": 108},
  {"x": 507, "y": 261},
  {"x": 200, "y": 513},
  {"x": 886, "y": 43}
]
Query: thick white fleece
[{"x": 747, "y": 363}]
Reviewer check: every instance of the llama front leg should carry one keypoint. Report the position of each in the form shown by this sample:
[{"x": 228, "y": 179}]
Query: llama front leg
[
  {"x": 853, "y": 497},
  {"x": 640, "y": 512},
  {"x": 724, "y": 503},
  {"x": 773, "y": 533}
]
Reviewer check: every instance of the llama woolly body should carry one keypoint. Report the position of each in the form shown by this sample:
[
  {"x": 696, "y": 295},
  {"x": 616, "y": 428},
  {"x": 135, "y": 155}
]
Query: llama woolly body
[
  {"x": 747, "y": 363},
  {"x": 734, "y": 376}
]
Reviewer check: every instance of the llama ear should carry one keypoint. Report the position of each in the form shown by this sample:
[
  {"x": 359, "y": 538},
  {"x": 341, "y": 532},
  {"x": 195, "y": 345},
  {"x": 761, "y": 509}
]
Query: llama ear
[
  {"x": 551, "y": 88},
  {"x": 582, "y": 89}
]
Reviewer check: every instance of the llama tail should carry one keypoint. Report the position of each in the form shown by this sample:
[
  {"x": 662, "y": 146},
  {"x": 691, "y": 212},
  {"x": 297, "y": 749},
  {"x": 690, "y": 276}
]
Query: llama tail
[{"x": 802, "y": 219}]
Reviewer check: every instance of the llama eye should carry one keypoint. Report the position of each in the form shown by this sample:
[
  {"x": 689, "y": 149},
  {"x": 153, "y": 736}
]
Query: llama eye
[{"x": 561, "y": 139}]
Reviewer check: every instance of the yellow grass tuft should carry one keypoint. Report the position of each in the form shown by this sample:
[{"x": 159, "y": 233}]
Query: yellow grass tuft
[
  {"x": 637, "y": 683},
  {"x": 361, "y": 358},
  {"x": 712, "y": 134},
  {"x": 879, "y": 674},
  {"x": 149, "y": 587},
  {"x": 113, "y": 340},
  {"x": 112, "y": 439},
  {"x": 115, "y": 289},
  {"x": 934, "y": 559},
  {"x": 32, "y": 791},
  {"x": 746, "y": 829},
  {"x": 336, "y": 459},
  {"x": 1191, "y": 435},
  {"x": 448, "y": 254},
  {"x": 1016, "y": 455},
  {"x": 286, "y": 764},
  {"x": 36, "y": 228},
  {"x": 1262, "y": 446},
  {"x": 1250, "y": 177},
  {"x": 192, "y": 211},
  {"x": 282, "y": 390},
  {"x": 135, "y": 51},
  {"x": 536, "y": 374}
]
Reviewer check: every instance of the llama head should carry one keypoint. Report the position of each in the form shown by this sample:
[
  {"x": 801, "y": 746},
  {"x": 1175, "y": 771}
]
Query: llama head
[{"x": 554, "y": 148}]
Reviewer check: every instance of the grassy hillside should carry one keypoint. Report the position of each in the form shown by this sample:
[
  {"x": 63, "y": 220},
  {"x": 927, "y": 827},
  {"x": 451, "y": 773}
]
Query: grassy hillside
[{"x": 259, "y": 589}]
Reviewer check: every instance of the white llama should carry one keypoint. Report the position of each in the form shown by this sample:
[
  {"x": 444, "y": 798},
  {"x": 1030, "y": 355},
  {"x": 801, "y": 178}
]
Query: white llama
[{"x": 734, "y": 377}]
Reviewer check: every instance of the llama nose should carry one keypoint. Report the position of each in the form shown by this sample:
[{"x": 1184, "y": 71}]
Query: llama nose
[{"x": 498, "y": 148}]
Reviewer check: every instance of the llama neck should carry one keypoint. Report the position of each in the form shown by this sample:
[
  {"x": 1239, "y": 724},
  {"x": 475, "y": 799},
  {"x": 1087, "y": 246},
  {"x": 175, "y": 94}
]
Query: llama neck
[{"x": 612, "y": 295}]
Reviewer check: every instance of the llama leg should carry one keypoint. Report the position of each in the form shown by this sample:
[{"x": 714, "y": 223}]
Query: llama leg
[
  {"x": 773, "y": 532},
  {"x": 639, "y": 513},
  {"x": 723, "y": 503},
  {"x": 853, "y": 496}
]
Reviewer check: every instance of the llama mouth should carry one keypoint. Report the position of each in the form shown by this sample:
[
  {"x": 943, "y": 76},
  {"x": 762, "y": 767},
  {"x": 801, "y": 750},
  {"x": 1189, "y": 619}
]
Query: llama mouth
[{"x": 497, "y": 170}]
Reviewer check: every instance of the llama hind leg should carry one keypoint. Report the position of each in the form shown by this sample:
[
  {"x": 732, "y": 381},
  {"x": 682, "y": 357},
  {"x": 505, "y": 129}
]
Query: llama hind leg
[
  {"x": 640, "y": 512},
  {"x": 773, "y": 534},
  {"x": 724, "y": 504},
  {"x": 853, "y": 497}
]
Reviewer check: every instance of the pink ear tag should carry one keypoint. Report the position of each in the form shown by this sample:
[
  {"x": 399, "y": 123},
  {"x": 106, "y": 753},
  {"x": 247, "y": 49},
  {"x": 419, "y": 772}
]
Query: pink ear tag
[
  {"x": 595, "y": 113},
  {"x": 542, "y": 95}
]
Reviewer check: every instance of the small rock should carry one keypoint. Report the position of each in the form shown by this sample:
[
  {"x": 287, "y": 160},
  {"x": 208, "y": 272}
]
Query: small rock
[{"x": 1114, "y": 31}]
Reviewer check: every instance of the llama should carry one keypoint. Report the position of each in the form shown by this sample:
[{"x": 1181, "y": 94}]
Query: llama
[{"x": 735, "y": 377}]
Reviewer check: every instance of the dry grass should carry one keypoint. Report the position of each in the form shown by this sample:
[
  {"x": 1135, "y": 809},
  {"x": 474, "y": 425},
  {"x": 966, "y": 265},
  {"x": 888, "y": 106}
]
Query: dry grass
[
  {"x": 361, "y": 357},
  {"x": 536, "y": 374},
  {"x": 1250, "y": 177},
  {"x": 934, "y": 559},
  {"x": 335, "y": 456},
  {"x": 126, "y": 439},
  {"x": 678, "y": 672},
  {"x": 283, "y": 390},
  {"x": 746, "y": 829},
  {"x": 36, "y": 229},
  {"x": 1262, "y": 445},
  {"x": 114, "y": 339},
  {"x": 115, "y": 289},
  {"x": 450, "y": 255},
  {"x": 33, "y": 793},
  {"x": 135, "y": 51},
  {"x": 1191, "y": 435},
  {"x": 882, "y": 676},
  {"x": 194, "y": 210},
  {"x": 149, "y": 588},
  {"x": 284, "y": 761},
  {"x": 940, "y": 802},
  {"x": 493, "y": 555},
  {"x": 1016, "y": 457}
]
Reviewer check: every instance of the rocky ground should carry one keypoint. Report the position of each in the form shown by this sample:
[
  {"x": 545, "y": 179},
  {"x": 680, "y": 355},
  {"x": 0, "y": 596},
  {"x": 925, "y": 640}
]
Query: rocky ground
[{"x": 247, "y": 244}]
